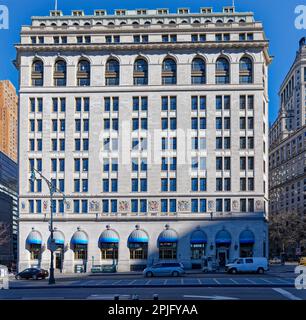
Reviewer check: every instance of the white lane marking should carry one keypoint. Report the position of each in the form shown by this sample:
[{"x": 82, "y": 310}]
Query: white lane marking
[
  {"x": 116, "y": 282},
  {"x": 286, "y": 294},
  {"x": 268, "y": 281},
  {"x": 199, "y": 281},
  {"x": 132, "y": 282},
  {"x": 234, "y": 281},
  {"x": 148, "y": 282},
  {"x": 182, "y": 281},
  {"x": 251, "y": 281},
  {"x": 211, "y": 297},
  {"x": 217, "y": 282}
]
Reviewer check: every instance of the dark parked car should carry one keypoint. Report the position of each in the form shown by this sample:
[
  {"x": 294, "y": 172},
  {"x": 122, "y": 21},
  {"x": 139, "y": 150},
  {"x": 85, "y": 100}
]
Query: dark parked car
[{"x": 32, "y": 273}]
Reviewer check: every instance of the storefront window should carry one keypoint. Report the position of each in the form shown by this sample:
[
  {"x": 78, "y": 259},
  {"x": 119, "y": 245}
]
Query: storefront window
[
  {"x": 35, "y": 250},
  {"x": 80, "y": 252},
  {"x": 197, "y": 251},
  {"x": 109, "y": 251},
  {"x": 246, "y": 250},
  {"x": 167, "y": 251},
  {"x": 138, "y": 251}
]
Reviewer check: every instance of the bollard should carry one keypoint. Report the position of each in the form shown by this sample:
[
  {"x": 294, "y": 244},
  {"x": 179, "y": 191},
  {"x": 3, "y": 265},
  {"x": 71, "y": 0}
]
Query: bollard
[{"x": 155, "y": 297}]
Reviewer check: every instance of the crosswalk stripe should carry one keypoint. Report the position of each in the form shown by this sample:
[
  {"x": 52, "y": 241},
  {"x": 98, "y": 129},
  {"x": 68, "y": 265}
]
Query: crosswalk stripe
[{"x": 286, "y": 294}]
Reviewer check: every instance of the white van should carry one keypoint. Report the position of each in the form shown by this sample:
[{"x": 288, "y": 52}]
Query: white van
[{"x": 241, "y": 265}]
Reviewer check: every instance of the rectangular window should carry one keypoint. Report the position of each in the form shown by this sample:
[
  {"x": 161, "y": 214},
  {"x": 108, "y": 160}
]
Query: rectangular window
[
  {"x": 134, "y": 205},
  {"x": 143, "y": 206},
  {"x": 172, "y": 205},
  {"x": 164, "y": 205},
  {"x": 194, "y": 184},
  {"x": 105, "y": 185},
  {"x": 219, "y": 205},
  {"x": 203, "y": 207},
  {"x": 134, "y": 185},
  {"x": 243, "y": 205}
]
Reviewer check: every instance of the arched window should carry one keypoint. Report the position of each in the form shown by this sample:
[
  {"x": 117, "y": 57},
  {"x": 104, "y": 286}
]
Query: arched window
[
  {"x": 138, "y": 244},
  {"x": 208, "y": 21},
  {"x": 241, "y": 21},
  {"x": 245, "y": 70},
  {"x": 87, "y": 24},
  {"x": 184, "y": 22},
  {"x": 230, "y": 21},
  {"x": 83, "y": 74},
  {"x": 112, "y": 72},
  {"x": 198, "y": 244},
  {"x": 172, "y": 22},
  {"x": 122, "y": 23},
  {"x": 42, "y": 25},
  {"x": 222, "y": 71},
  {"x": 196, "y": 22},
  {"x": 140, "y": 72},
  {"x": 34, "y": 245},
  {"x": 198, "y": 71},
  {"x": 111, "y": 24},
  {"x": 135, "y": 23},
  {"x": 37, "y": 73},
  {"x": 147, "y": 22},
  {"x": 160, "y": 22},
  {"x": 53, "y": 24},
  {"x": 60, "y": 73},
  {"x": 79, "y": 245},
  {"x": 169, "y": 71},
  {"x": 167, "y": 244},
  {"x": 109, "y": 244},
  {"x": 219, "y": 21},
  {"x": 76, "y": 24}
]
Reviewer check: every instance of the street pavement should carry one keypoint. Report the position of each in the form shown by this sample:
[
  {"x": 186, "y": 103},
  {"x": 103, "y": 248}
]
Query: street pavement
[
  {"x": 277, "y": 284},
  {"x": 167, "y": 293}
]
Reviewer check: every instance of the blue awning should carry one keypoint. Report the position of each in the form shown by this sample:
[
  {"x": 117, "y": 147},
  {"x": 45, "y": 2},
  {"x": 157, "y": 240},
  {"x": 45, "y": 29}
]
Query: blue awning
[
  {"x": 198, "y": 237},
  {"x": 168, "y": 235},
  {"x": 109, "y": 236},
  {"x": 138, "y": 236},
  {"x": 79, "y": 238},
  {"x": 34, "y": 237},
  {"x": 247, "y": 237},
  {"x": 58, "y": 238},
  {"x": 223, "y": 237}
]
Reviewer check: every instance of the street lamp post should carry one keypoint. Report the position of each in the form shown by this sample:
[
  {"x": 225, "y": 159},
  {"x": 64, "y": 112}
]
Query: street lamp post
[{"x": 52, "y": 190}]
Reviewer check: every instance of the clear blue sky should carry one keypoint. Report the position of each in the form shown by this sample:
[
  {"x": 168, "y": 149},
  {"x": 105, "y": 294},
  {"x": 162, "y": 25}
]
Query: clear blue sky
[{"x": 277, "y": 15}]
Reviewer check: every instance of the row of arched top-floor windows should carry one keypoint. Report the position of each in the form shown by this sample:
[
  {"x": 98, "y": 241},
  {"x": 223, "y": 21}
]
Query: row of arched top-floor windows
[
  {"x": 141, "y": 72},
  {"x": 136, "y": 23}
]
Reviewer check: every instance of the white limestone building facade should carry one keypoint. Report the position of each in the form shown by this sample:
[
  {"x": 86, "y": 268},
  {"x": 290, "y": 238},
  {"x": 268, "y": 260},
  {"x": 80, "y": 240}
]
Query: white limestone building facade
[
  {"x": 287, "y": 154},
  {"x": 154, "y": 126}
]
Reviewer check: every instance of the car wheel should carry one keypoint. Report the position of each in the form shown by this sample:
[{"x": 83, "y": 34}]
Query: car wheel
[
  {"x": 149, "y": 274},
  {"x": 260, "y": 271},
  {"x": 233, "y": 271},
  {"x": 175, "y": 274}
]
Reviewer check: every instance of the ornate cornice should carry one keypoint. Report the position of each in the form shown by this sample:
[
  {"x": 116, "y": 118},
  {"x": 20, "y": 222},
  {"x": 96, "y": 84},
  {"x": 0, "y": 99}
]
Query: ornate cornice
[{"x": 142, "y": 46}]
